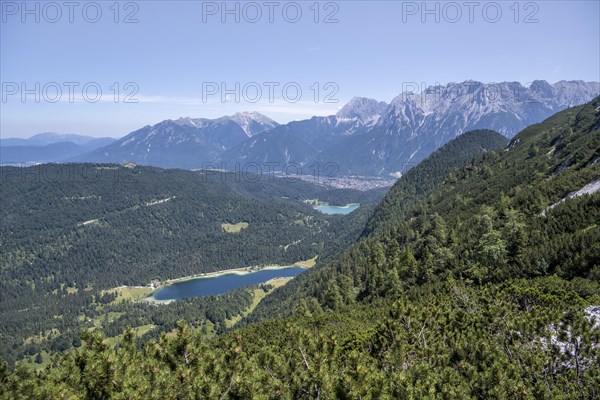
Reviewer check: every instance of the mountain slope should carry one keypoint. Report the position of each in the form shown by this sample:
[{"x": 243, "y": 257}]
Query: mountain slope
[{"x": 424, "y": 178}]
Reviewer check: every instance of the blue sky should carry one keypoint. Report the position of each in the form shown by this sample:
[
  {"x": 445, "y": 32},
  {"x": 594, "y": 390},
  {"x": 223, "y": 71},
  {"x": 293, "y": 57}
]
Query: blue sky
[{"x": 180, "y": 55}]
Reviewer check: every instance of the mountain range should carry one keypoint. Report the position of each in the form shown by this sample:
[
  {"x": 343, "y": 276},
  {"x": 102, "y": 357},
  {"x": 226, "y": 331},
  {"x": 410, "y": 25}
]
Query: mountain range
[
  {"x": 183, "y": 143},
  {"x": 366, "y": 137},
  {"x": 414, "y": 125}
]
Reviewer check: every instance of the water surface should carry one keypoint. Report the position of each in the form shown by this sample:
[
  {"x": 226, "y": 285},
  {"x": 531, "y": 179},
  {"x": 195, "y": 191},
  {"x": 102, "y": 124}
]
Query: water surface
[{"x": 344, "y": 210}]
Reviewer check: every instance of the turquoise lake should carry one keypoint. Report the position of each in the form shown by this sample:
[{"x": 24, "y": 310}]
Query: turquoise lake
[
  {"x": 221, "y": 284},
  {"x": 344, "y": 210}
]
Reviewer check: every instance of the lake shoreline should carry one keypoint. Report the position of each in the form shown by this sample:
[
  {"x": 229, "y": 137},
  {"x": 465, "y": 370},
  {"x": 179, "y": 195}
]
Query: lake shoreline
[
  {"x": 151, "y": 300},
  {"x": 339, "y": 210},
  {"x": 232, "y": 271},
  {"x": 208, "y": 275}
]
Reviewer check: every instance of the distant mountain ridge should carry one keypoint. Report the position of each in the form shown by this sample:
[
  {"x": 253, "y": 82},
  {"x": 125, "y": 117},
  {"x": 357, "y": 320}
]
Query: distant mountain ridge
[
  {"x": 42, "y": 139},
  {"x": 48, "y": 147}
]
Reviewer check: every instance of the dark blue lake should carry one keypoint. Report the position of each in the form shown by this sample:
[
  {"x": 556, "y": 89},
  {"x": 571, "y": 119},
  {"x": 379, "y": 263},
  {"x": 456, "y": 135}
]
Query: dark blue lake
[{"x": 221, "y": 284}]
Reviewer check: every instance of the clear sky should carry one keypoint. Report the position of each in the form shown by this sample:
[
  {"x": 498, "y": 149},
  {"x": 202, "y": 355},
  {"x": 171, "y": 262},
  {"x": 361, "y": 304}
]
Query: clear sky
[{"x": 192, "y": 58}]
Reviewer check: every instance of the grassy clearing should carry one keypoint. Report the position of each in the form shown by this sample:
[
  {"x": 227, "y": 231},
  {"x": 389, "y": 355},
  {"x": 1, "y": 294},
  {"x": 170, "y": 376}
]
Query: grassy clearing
[
  {"x": 307, "y": 263},
  {"x": 258, "y": 294},
  {"x": 141, "y": 330},
  {"x": 234, "y": 228},
  {"x": 129, "y": 293}
]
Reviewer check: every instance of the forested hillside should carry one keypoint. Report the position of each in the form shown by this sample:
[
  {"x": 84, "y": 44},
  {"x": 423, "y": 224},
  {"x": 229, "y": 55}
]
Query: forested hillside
[
  {"x": 484, "y": 287},
  {"x": 424, "y": 178},
  {"x": 499, "y": 217},
  {"x": 126, "y": 226},
  {"x": 417, "y": 183},
  {"x": 70, "y": 231}
]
